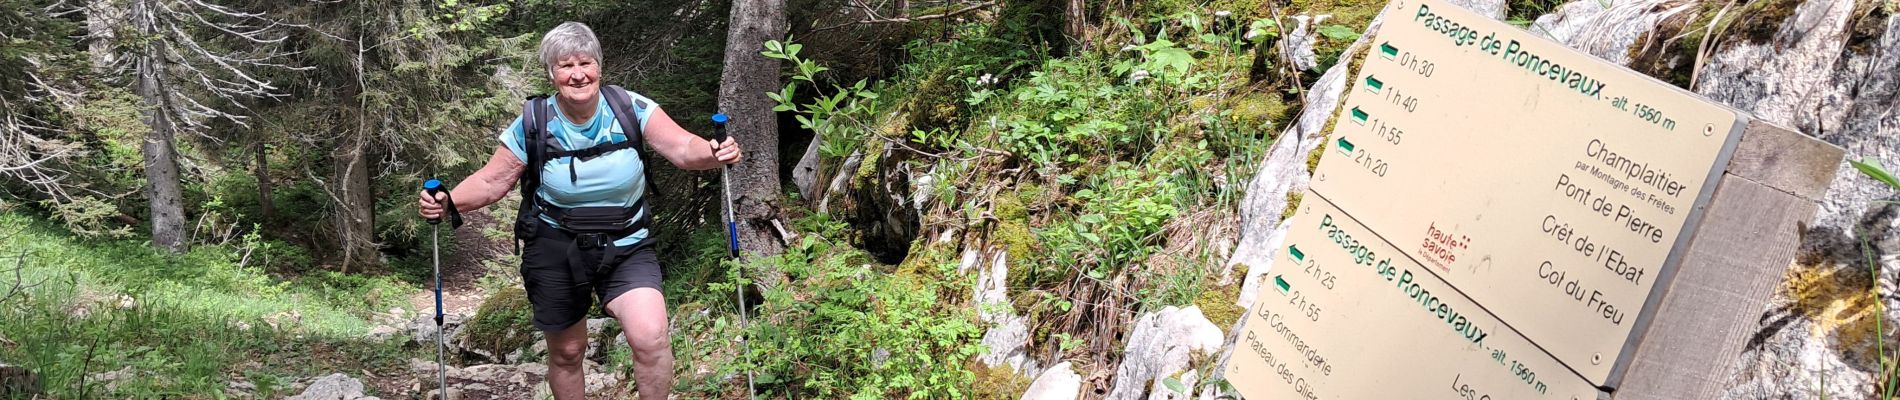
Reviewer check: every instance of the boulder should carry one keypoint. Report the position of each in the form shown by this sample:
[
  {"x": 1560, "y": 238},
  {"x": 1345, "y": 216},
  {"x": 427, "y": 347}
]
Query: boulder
[
  {"x": 1160, "y": 345},
  {"x": 1059, "y": 382},
  {"x": 1606, "y": 29},
  {"x": 332, "y": 387}
]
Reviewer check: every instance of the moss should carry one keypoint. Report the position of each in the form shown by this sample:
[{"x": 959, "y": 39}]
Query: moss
[
  {"x": 1351, "y": 13},
  {"x": 1870, "y": 23},
  {"x": 1217, "y": 303},
  {"x": 501, "y": 324},
  {"x": 1009, "y": 206},
  {"x": 996, "y": 383},
  {"x": 1292, "y": 203},
  {"x": 1259, "y": 109},
  {"x": 1668, "y": 52},
  {"x": 1312, "y": 158},
  {"x": 924, "y": 256},
  {"x": 873, "y": 154},
  {"x": 933, "y": 102},
  {"x": 1013, "y": 234}
]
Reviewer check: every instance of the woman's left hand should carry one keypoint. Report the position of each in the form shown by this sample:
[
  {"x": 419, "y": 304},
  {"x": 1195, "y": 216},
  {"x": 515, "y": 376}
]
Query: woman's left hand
[{"x": 726, "y": 152}]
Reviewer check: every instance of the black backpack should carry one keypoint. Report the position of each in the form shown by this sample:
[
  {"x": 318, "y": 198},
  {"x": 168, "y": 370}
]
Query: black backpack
[{"x": 541, "y": 147}]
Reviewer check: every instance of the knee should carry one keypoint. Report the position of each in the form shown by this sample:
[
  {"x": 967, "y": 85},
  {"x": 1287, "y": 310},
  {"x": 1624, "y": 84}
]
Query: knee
[
  {"x": 566, "y": 354},
  {"x": 649, "y": 343}
]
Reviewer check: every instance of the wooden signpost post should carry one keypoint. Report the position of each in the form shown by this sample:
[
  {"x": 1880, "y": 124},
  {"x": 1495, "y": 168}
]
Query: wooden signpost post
[{"x": 1498, "y": 216}]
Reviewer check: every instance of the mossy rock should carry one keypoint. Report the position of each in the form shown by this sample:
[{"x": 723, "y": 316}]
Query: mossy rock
[
  {"x": 1217, "y": 303},
  {"x": 1009, "y": 207},
  {"x": 1001, "y": 382},
  {"x": 1263, "y": 109},
  {"x": 1292, "y": 203},
  {"x": 502, "y": 324}
]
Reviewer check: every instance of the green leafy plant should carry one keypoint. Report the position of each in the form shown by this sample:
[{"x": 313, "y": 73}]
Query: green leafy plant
[
  {"x": 845, "y": 328},
  {"x": 837, "y": 118}
]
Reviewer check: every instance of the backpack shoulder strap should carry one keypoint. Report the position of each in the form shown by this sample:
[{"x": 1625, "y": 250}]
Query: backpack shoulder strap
[
  {"x": 534, "y": 134},
  {"x": 625, "y": 106},
  {"x": 626, "y": 111},
  {"x": 535, "y": 140}
]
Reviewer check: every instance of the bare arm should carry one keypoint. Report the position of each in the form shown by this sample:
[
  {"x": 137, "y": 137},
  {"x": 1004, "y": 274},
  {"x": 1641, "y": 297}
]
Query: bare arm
[
  {"x": 486, "y": 186},
  {"x": 686, "y": 150}
]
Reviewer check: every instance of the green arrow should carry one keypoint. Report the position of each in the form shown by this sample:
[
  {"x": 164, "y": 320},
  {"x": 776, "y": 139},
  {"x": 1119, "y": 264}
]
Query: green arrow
[
  {"x": 1387, "y": 50},
  {"x": 1279, "y": 281},
  {"x": 1296, "y": 253},
  {"x": 1359, "y": 116},
  {"x": 1374, "y": 84},
  {"x": 1345, "y": 146}
]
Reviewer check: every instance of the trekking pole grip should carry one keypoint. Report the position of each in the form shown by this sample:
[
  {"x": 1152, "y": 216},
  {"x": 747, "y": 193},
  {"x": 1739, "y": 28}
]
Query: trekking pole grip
[
  {"x": 434, "y": 186},
  {"x": 719, "y": 126}
]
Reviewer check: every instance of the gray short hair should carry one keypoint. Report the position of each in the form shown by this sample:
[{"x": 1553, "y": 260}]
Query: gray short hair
[{"x": 570, "y": 38}]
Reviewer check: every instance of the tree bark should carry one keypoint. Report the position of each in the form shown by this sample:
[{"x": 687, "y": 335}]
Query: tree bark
[
  {"x": 1077, "y": 22},
  {"x": 806, "y": 174},
  {"x": 748, "y": 75},
  {"x": 159, "y": 155},
  {"x": 262, "y": 171},
  {"x": 355, "y": 217}
]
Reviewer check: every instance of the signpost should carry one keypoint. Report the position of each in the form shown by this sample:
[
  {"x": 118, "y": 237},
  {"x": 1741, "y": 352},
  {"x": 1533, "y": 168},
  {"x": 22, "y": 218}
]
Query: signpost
[{"x": 1496, "y": 215}]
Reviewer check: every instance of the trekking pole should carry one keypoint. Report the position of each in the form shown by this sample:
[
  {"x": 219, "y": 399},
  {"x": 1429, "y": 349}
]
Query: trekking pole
[
  {"x": 732, "y": 239},
  {"x": 435, "y": 244}
]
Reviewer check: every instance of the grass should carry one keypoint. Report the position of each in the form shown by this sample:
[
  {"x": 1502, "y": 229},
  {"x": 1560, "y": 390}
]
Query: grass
[{"x": 185, "y": 325}]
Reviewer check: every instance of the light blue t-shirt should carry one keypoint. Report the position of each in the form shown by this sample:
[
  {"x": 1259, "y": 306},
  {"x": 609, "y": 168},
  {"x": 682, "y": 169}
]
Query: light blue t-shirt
[{"x": 615, "y": 179}]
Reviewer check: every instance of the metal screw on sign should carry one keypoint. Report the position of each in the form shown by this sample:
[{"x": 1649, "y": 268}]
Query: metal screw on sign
[{"x": 1708, "y": 130}]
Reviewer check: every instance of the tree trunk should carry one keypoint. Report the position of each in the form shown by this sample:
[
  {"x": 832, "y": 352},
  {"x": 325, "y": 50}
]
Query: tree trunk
[
  {"x": 160, "y": 157},
  {"x": 1077, "y": 22},
  {"x": 747, "y": 77},
  {"x": 355, "y": 219},
  {"x": 102, "y": 17},
  {"x": 263, "y": 184}
]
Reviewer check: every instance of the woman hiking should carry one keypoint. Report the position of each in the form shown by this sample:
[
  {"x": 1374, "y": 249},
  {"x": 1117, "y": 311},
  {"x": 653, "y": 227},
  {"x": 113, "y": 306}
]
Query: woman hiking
[{"x": 583, "y": 227}]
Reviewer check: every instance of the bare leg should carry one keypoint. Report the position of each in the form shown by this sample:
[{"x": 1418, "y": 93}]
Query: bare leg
[
  {"x": 567, "y": 353},
  {"x": 642, "y": 315}
]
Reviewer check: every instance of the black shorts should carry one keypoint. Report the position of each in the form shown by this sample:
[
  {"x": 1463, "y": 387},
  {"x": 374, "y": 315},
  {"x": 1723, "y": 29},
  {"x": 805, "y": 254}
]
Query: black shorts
[{"x": 561, "y": 298}]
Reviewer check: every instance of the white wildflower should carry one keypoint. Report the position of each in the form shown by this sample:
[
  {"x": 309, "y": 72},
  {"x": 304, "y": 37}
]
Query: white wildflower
[{"x": 1223, "y": 14}]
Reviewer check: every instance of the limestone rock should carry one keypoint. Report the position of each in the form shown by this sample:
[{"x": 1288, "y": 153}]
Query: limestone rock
[
  {"x": 1284, "y": 171},
  {"x": 1059, "y": 382},
  {"x": 1302, "y": 39},
  {"x": 1159, "y": 346},
  {"x": 1007, "y": 339},
  {"x": 1606, "y": 29},
  {"x": 1490, "y": 8},
  {"x": 422, "y": 328},
  {"x": 332, "y": 387},
  {"x": 1164, "y": 392}
]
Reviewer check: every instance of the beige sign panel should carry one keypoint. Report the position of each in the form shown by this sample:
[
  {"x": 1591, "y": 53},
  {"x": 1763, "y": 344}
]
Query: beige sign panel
[
  {"x": 1344, "y": 315},
  {"x": 1549, "y": 186}
]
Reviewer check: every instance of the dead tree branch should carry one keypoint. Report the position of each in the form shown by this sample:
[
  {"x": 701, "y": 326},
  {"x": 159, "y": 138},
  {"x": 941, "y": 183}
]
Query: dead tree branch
[{"x": 875, "y": 20}]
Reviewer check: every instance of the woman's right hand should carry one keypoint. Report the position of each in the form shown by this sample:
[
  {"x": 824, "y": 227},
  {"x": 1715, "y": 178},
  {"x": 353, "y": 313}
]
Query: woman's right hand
[{"x": 430, "y": 206}]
